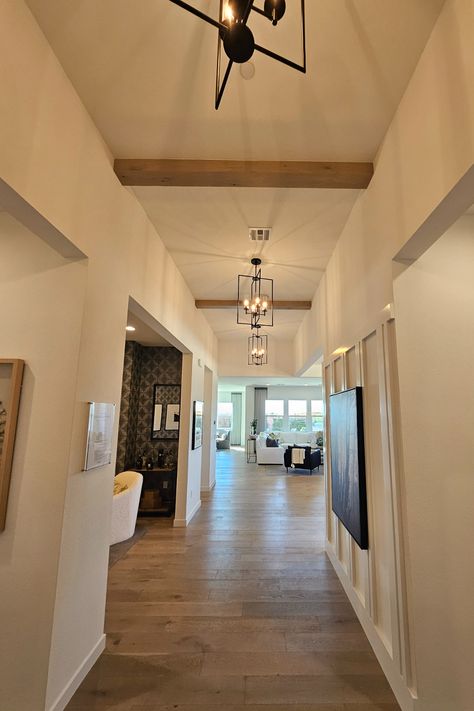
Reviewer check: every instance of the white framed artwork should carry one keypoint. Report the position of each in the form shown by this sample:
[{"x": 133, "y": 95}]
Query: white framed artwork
[{"x": 99, "y": 435}]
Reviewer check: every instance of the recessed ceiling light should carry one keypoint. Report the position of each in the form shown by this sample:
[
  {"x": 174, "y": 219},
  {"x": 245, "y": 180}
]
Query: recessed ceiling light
[{"x": 130, "y": 328}]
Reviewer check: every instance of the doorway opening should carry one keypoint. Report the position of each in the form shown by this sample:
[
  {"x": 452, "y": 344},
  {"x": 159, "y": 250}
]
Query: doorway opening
[{"x": 148, "y": 437}]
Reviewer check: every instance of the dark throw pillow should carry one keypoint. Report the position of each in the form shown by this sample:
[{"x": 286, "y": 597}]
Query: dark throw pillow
[{"x": 272, "y": 442}]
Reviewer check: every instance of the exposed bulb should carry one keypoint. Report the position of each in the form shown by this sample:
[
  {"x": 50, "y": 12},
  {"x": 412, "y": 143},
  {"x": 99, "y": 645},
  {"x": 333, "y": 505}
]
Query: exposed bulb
[{"x": 228, "y": 14}]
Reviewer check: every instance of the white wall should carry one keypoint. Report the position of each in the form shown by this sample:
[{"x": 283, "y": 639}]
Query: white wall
[
  {"x": 52, "y": 156},
  {"x": 427, "y": 150},
  {"x": 43, "y": 298},
  {"x": 375, "y": 579},
  {"x": 421, "y": 173},
  {"x": 435, "y": 334},
  {"x": 208, "y": 475}
]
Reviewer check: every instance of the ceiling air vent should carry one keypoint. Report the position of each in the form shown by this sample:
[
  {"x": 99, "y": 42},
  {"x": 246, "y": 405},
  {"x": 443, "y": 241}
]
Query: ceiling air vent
[{"x": 260, "y": 234}]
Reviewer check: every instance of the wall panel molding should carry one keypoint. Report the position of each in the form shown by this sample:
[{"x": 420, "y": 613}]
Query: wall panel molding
[{"x": 375, "y": 580}]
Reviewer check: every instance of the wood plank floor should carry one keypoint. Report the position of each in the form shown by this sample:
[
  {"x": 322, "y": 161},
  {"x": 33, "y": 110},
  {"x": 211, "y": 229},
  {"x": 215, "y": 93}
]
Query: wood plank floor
[{"x": 240, "y": 611}]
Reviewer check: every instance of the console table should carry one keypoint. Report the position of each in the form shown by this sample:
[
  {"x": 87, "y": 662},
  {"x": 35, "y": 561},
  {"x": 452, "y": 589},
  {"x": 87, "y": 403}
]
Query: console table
[{"x": 158, "y": 497}]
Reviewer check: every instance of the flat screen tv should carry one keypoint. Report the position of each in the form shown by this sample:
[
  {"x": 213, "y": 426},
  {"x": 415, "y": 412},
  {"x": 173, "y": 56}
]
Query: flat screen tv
[{"x": 346, "y": 430}]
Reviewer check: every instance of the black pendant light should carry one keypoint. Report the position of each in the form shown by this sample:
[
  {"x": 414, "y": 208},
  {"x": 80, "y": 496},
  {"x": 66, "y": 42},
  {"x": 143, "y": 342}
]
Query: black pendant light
[
  {"x": 237, "y": 38},
  {"x": 257, "y": 348},
  {"x": 254, "y": 298}
]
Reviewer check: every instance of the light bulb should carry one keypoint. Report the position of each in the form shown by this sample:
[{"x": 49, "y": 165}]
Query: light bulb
[
  {"x": 257, "y": 299},
  {"x": 246, "y": 303},
  {"x": 264, "y": 305},
  {"x": 228, "y": 14}
]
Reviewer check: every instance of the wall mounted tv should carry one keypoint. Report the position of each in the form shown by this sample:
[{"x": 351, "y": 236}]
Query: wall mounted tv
[{"x": 346, "y": 431}]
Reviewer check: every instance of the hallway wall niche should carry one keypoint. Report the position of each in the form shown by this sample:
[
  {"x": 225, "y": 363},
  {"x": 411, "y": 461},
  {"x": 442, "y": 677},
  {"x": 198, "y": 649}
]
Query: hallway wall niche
[{"x": 144, "y": 368}]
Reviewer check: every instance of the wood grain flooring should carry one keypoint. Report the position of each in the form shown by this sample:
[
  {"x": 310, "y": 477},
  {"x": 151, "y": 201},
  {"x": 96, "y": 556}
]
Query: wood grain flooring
[{"x": 241, "y": 611}]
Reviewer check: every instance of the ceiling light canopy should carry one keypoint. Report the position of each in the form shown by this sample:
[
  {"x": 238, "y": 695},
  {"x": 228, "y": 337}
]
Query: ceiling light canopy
[{"x": 236, "y": 37}]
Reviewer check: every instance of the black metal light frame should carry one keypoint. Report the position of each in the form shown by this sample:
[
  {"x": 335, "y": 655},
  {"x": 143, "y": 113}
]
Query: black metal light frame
[
  {"x": 254, "y": 298},
  {"x": 257, "y": 349},
  {"x": 224, "y": 28}
]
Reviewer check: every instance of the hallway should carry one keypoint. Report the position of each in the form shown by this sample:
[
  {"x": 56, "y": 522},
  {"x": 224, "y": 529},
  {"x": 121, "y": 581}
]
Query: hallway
[{"x": 241, "y": 610}]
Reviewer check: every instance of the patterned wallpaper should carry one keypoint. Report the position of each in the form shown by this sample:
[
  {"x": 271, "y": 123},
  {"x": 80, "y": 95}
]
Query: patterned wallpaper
[{"x": 143, "y": 368}]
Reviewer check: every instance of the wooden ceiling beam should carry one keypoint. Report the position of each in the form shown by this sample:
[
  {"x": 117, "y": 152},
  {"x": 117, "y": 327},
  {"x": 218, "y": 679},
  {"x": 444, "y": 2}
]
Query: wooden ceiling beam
[
  {"x": 232, "y": 304},
  {"x": 243, "y": 174}
]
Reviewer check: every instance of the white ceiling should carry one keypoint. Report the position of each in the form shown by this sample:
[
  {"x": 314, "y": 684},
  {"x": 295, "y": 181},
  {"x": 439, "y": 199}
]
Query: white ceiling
[
  {"x": 143, "y": 334},
  {"x": 238, "y": 383},
  {"x": 206, "y": 231},
  {"x": 145, "y": 71}
]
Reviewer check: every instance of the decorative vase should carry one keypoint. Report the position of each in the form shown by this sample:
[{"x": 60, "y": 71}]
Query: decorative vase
[{"x": 149, "y": 463}]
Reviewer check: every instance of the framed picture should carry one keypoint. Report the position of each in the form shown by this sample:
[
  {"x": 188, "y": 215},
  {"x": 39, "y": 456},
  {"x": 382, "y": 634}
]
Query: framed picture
[
  {"x": 346, "y": 431},
  {"x": 157, "y": 413},
  {"x": 99, "y": 435},
  {"x": 172, "y": 416},
  {"x": 11, "y": 376},
  {"x": 198, "y": 407},
  {"x": 165, "y": 412}
]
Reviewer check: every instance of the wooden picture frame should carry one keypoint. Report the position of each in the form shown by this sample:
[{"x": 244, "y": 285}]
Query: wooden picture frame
[{"x": 11, "y": 377}]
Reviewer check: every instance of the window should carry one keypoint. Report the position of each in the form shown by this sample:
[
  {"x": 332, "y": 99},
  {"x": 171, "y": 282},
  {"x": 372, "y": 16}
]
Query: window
[
  {"x": 317, "y": 415},
  {"x": 224, "y": 415},
  {"x": 297, "y": 415},
  {"x": 274, "y": 415}
]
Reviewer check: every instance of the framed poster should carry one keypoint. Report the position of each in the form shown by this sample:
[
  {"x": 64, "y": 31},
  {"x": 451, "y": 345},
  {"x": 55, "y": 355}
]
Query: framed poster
[
  {"x": 11, "y": 376},
  {"x": 198, "y": 407},
  {"x": 165, "y": 412},
  {"x": 157, "y": 412},
  {"x": 346, "y": 430},
  {"x": 99, "y": 435},
  {"x": 172, "y": 416}
]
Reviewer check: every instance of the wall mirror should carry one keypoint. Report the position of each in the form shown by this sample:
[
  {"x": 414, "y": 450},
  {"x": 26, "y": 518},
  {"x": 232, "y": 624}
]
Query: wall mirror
[{"x": 11, "y": 375}]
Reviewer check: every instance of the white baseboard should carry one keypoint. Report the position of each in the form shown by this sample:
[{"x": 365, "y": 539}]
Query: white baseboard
[
  {"x": 207, "y": 489},
  {"x": 402, "y": 693},
  {"x": 73, "y": 684},
  {"x": 183, "y": 522}
]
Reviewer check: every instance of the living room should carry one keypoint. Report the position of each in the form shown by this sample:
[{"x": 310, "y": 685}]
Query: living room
[{"x": 263, "y": 417}]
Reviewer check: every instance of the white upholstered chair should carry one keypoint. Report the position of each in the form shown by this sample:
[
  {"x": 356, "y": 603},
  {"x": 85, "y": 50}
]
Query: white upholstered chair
[{"x": 125, "y": 506}]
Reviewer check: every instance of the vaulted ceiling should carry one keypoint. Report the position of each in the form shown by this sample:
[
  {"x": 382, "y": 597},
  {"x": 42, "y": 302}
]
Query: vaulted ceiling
[{"x": 145, "y": 71}]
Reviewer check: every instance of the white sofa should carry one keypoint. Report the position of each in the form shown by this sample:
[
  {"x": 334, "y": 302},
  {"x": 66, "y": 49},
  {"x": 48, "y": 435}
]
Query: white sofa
[
  {"x": 268, "y": 455},
  {"x": 125, "y": 506},
  {"x": 301, "y": 438},
  {"x": 274, "y": 455}
]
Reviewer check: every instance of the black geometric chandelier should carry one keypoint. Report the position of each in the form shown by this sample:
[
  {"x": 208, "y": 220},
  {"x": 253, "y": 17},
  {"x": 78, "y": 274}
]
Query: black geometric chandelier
[
  {"x": 236, "y": 37},
  {"x": 257, "y": 349},
  {"x": 255, "y": 298}
]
